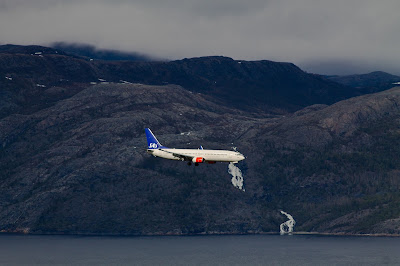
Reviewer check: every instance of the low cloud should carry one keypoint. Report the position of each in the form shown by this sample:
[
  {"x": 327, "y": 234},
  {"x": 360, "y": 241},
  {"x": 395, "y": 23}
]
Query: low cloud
[{"x": 306, "y": 32}]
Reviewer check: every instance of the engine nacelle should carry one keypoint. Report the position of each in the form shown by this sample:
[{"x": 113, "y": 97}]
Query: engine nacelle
[{"x": 198, "y": 159}]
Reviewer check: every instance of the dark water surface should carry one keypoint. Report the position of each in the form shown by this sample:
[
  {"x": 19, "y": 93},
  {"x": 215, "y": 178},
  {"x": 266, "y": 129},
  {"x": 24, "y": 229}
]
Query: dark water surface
[{"x": 199, "y": 250}]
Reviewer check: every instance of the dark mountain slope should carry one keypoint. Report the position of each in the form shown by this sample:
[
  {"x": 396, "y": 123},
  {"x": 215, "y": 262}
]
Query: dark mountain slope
[
  {"x": 72, "y": 153},
  {"x": 259, "y": 86},
  {"x": 80, "y": 166},
  {"x": 336, "y": 168},
  {"x": 374, "y": 81},
  {"x": 263, "y": 85},
  {"x": 30, "y": 82}
]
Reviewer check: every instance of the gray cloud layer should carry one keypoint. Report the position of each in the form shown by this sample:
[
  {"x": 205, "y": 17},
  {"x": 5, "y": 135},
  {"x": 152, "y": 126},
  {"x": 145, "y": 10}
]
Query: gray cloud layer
[{"x": 364, "y": 33}]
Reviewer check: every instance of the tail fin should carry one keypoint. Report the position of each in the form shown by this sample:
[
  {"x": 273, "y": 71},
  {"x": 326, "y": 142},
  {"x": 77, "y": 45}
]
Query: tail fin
[{"x": 152, "y": 141}]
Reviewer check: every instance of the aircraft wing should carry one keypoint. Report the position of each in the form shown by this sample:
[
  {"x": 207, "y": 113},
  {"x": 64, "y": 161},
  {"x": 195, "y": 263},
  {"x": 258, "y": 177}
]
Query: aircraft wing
[{"x": 182, "y": 156}]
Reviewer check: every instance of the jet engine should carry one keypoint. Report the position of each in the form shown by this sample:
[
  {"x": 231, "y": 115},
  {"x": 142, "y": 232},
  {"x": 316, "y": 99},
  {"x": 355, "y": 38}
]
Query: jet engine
[{"x": 198, "y": 159}]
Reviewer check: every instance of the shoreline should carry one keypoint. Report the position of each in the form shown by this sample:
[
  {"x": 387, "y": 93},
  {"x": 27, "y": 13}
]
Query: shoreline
[
  {"x": 346, "y": 234},
  {"x": 299, "y": 233}
]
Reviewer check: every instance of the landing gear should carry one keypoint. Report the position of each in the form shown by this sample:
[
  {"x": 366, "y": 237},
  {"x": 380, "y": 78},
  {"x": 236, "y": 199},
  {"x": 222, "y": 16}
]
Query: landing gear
[
  {"x": 196, "y": 164},
  {"x": 189, "y": 163}
]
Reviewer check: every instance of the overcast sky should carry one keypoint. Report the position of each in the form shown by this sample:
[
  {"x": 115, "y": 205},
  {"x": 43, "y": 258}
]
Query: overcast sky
[{"x": 321, "y": 36}]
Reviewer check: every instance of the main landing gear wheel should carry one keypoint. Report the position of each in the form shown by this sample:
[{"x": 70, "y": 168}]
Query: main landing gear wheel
[
  {"x": 189, "y": 163},
  {"x": 196, "y": 164}
]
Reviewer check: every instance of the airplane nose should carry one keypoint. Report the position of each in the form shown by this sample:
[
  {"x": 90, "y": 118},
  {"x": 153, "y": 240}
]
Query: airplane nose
[{"x": 241, "y": 157}]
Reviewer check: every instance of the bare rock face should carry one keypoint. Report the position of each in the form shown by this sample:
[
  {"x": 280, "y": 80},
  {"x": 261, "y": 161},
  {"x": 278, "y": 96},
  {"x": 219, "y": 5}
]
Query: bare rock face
[{"x": 370, "y": 108}]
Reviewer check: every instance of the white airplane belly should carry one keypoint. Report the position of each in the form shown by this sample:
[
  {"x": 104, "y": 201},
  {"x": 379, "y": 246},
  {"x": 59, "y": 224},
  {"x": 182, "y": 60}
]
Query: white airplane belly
[
  {"x": 215, "y": 156},
  {"x": 165, "y": 155},
  {"x": 207, "y": 155}
]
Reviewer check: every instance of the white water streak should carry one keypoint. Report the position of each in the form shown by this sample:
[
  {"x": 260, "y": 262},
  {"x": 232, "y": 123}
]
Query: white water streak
[
  {"x": 288, "y": 226},
  {"x": 237, "y": 177}
]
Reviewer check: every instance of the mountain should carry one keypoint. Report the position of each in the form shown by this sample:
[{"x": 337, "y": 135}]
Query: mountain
[
  {"x": 73, "y": 161},
  {"x": 256, "y": 86},
  {"x": 337, "y": 165},
  {"x": 35, "y": 77},
  {"x": 80, "y": 166},
  {"x": 374, "y": 81},
  {"x": 85, "y": 157}
]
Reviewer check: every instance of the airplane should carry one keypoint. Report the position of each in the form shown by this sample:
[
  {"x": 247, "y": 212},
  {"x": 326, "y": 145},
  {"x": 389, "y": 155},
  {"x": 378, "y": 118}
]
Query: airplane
[{"x": 195, "y": 156}]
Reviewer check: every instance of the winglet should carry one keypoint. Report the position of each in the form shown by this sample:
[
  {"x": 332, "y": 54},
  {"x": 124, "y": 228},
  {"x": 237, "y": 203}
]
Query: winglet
[{"x": 152, "y": 141}]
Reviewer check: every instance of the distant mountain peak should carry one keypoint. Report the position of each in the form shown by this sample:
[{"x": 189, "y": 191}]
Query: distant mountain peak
[{"x": 375, "y": 81}]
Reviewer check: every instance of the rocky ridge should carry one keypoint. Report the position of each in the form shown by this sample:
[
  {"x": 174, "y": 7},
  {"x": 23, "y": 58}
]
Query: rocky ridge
[{"x": 252, "y": 86}]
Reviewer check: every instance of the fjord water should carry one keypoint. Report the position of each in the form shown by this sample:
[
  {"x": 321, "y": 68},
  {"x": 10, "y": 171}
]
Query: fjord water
[{"x": 199, "y": 250}]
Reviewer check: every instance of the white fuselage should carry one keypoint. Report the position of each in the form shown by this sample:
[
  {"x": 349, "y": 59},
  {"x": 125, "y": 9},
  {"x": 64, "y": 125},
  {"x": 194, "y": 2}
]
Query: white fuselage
[{"x": 207, "y": 155}]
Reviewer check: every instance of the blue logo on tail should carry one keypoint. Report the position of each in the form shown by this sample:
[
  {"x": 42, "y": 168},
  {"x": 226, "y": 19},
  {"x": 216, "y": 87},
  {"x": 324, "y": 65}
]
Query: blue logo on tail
[{"x": 152, "y": 141}]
